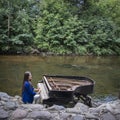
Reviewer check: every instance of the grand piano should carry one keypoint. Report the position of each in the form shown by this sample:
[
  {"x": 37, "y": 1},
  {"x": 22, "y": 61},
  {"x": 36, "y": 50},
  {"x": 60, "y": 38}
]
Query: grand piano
[{"x": 58, "y": 89}]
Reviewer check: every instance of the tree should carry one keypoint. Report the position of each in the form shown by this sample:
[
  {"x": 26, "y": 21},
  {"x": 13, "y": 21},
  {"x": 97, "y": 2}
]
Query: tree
[{"x": 15, "y": 25}]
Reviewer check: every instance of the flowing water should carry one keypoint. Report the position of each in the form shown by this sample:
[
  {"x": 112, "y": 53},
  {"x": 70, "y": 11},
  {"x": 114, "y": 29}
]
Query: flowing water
[{"x": 105, "y": 71}]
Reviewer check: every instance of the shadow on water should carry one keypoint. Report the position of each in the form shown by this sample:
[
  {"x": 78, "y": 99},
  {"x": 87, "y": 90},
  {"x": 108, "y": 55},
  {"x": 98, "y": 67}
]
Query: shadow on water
[{"x": 103, "y": 70}]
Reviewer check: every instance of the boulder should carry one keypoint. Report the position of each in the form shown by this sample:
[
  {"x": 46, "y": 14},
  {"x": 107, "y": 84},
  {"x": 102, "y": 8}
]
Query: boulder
[
  {"x": 18, "y": 114},
  {"x": 3, "y": 114},
  {"x": 42, "y": 115},
  {"x": 107, "y": 116},
  {"x": 10, "y": 105}
]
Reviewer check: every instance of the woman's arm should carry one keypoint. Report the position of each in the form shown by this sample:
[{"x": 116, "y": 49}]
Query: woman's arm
[
  {"x": 38, "y": 90},
  {"x": 29, "y": 88}
]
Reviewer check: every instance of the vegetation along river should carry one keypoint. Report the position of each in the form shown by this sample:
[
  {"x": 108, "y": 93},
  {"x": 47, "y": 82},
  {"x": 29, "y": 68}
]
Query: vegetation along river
[{"x": 105, "y": 71}]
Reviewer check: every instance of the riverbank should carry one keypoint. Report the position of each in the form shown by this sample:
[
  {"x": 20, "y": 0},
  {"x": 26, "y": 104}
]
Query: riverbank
[{"x": 12, "y": 108}]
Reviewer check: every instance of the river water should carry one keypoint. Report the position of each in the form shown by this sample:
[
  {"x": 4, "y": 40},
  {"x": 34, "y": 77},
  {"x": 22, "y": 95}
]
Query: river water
[{"x": 105, "y": 71}]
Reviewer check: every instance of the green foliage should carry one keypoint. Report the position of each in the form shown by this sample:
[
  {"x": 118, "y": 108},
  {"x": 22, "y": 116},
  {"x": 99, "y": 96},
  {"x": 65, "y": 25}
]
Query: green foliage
[
  {"x": 81, "y": 50},
  {"x": 59, "y": 30},
  {"x": 15, "y": 26},
  {"x": 61, "y": 27},
  {"x": 102, "y": 35},
  {"x": 110, "y": 8}
]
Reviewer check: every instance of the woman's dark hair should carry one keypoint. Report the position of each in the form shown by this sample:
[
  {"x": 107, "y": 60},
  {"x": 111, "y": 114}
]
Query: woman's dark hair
[{"x": 26, "y": 76}]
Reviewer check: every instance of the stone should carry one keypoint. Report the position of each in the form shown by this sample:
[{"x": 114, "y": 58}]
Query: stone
[
  {"x": 77, "y": 117},
  {"x": 91, "y": 116},
  {"x": 56, "y": 107},
  {"x": 3, "y": 114},
  {"x": 27, "y": 119},
  {"x": 118, "y": 117},
  {"x": 65, "y": 116},
  {"x": 94, "y": 110},
  {"x": 109, "y": 107},
  {"x": 45, "y": 115},
  {"x": 2, "y": 103},
  {"x": 55, "y": 116},
  {"x": 6, "y": 99},
  {"x": 3, "y": 94},
  {"x": 32, "y": 106},
  {"x": 107, "y": 116},
  {"x": 99, "y": 109},
  {"x": 116, "y": 111},
  {"x": 73, "y": 110},
  {"x": 19, "y": 114},
  {"x": 17, "y": 97},
  {"x": 10, "y": 105},
  {"x": 81, "y": 107},
  {"x": 113, "y": 107},
  {"x": 35, "y": 51}
]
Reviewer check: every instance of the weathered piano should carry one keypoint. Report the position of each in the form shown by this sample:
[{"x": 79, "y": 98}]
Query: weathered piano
[{"x": 57, "y": 89}]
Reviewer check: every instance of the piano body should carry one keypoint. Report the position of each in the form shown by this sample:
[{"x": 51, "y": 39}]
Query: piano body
[{"x": 57, "y": 89}]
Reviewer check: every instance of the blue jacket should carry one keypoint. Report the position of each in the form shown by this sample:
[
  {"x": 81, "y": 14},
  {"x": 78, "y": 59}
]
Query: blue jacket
[{"x": 28, "y": 93}]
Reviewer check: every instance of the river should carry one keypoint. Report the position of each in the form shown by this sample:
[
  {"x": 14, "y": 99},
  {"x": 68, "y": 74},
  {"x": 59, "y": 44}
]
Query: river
[{"x": 105, "y": 71}]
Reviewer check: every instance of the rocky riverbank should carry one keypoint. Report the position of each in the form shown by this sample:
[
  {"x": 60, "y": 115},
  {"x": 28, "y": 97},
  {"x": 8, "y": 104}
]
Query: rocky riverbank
[{"x": 12, "y": 108}]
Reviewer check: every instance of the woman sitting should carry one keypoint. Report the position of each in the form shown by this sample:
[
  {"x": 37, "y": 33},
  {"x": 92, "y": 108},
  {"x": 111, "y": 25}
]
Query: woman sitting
[{"x": 29, "y": 93}]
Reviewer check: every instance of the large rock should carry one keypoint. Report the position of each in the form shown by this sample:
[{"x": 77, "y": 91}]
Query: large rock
[
  {"x": 79, "y": 108},
  {"x": 10, "y": 105},
  {"x": 4, "y": 96},
  {"x": 82, "y": 107},
  {"x": 69, "y": 116},
  {"x": 18, "y": 114},
  {"x": 32, "y": 107},
  {"x": 91, "y": 116},
  {"x": 77, "y": 117},
  {"x": 107, "y": 116},
  {"x": 118, "y": 117},
  {"x": 74, "y": 110},
  {"x": 17, "y": 99},
  {"x": 42, "y": 115},
  {"x": 65, "y": 116},
  {"x": 3, "y": 114},
  {"x": 55, "y": 116},
  {"x": 56, "y": 108}
]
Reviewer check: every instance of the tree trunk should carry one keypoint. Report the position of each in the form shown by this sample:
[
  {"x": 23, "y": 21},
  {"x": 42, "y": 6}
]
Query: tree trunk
[
  {"x": 8, "y": 20},
  {"x": 8, "y": 25}
]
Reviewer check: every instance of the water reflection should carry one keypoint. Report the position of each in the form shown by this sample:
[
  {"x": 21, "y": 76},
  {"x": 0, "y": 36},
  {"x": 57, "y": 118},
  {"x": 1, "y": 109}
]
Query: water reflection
[{"x": 104, "y": 70}]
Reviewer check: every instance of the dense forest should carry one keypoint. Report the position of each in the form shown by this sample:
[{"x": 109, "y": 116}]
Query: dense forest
[{"x": 81, "y": 27}]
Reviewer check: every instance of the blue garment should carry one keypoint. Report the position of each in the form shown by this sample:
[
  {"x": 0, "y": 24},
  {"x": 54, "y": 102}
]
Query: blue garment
[{"x": 28, "y": 93}]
